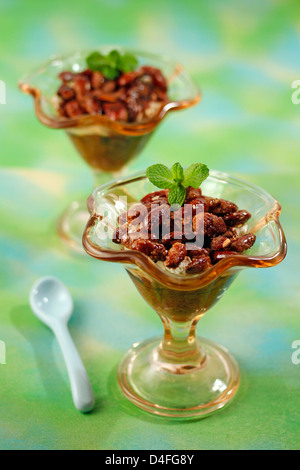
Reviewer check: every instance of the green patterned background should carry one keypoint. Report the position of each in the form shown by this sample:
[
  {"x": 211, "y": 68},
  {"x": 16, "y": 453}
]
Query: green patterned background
[{"x": 244, "y": 56}]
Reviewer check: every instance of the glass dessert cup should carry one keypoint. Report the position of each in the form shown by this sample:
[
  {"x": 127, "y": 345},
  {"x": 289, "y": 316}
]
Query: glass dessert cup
[
  {"x": 106, "y": 146},
  {"x": 181, "y": 375}
]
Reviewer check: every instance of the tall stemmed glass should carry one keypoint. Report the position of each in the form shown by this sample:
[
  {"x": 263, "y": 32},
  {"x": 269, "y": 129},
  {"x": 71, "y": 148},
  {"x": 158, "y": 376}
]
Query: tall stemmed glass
[
  {"x": 107, "y": 146},
  {"x": 179, "y": 374}
]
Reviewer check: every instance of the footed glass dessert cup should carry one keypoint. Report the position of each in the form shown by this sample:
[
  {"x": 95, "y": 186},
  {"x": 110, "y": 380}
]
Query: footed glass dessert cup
[
  {"x": 180, "y": 374},
  {"x": 107, "y": 146}
]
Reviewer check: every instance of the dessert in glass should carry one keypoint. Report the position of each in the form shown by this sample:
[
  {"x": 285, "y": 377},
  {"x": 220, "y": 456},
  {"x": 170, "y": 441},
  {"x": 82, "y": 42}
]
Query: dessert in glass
[
  {"x": 109, "y": 120},
  {"x": 180, "y": 374}
]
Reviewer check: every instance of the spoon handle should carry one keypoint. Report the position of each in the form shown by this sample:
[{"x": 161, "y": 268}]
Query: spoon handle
[{"x": 83, "y": 396}]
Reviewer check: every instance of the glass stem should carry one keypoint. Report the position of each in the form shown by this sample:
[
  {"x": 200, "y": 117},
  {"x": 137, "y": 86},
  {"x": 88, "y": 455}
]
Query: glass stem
[
  {"x": 180, "y": 345},
  {"x": 101, "y": 177}
]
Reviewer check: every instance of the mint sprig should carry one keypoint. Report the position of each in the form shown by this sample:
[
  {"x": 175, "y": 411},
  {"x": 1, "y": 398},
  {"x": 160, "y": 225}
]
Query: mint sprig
[
  {"x": 111, "y": 64},
  {"x": 177, "y": 179}
]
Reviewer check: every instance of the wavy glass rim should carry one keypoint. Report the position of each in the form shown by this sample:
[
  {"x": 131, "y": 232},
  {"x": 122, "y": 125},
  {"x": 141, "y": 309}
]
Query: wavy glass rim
[
  {"x": 189, "y": 281},
  {"x": 91, "y": 120}
]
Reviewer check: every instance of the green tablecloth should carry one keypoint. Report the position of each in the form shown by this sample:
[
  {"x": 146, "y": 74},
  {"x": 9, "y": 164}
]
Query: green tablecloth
[{"x": 244, "y": 56}]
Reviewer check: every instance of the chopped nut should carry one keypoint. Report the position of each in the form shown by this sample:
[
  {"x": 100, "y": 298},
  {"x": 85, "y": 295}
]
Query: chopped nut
[
  {"x": 233, "y": 219},
  {"x": 219, "y": 243},
  {"x": 156, "y": 251},
  {"x": 176, "y": 254},
  {"x": 221, "y": 206},
  {"x": 243, "y": 243},
  {"x": 198, "y": 265},
  {"x": 212, "y": 224}
]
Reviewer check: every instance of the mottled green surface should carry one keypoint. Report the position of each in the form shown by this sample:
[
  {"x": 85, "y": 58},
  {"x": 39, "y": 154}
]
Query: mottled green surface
[{"x": 244, "y": 56}]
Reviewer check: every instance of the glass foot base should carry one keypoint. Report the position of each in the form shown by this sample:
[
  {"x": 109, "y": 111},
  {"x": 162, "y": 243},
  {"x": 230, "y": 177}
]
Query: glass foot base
[
  {"x": 196, "y": 392},
  {"x": 72, "y": 223}
]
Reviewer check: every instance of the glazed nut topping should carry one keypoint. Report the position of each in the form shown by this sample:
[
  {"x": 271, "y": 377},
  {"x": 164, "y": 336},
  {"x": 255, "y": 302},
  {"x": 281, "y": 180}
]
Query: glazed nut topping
[
  {"x": 132, "y": 97},
  {"x": 152, "y": 227}
]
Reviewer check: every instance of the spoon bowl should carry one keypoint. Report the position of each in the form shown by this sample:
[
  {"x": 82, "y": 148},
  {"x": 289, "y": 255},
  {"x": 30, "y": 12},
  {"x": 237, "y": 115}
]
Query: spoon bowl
[{"x": 50, "y": 299}]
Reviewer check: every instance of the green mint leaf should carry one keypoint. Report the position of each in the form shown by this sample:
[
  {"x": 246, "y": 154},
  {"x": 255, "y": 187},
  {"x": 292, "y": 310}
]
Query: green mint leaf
[
  {"x": 160, "y": 176},
  {"x": 95, "y": 60},
  {"x": 109, "y": 72},
  {"x": 177, "y": 195},
  {"x": 113, "y": 58},
  {"x": 177, "y": 172},
  {"x": 128, "y": 63},
  {"x": 195, "y": 174}
]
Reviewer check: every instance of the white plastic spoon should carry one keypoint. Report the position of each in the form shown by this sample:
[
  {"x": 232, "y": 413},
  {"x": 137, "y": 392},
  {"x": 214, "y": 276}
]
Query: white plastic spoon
[{"x": 52, "y": 303}]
